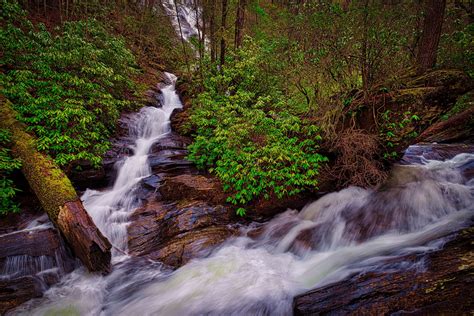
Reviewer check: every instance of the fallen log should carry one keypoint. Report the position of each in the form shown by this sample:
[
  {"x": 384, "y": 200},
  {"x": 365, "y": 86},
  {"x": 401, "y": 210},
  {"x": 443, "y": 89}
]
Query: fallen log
[{"x": 57, "y": 195}]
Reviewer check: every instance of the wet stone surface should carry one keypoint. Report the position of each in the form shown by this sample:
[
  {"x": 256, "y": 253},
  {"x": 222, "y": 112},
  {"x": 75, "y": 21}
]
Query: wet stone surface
[
  {"x": 176, "y": 233},
  {"x": 30, "y": 262}
]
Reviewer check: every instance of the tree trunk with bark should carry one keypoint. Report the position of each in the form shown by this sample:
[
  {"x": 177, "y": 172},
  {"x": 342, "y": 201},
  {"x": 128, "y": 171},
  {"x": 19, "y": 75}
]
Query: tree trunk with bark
[
  {"x": 432, "y": 25},
  {"x": 223, "y": 28},
  {"x": 239, "y": 23},
  {"x": 57, "y": 196},
  {"x": 212, "y": 31}
]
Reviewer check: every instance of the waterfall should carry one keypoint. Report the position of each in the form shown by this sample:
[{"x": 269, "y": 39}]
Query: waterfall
[
  {"x": 111, "y": 208},
  {"x": 186, "y": 13}
]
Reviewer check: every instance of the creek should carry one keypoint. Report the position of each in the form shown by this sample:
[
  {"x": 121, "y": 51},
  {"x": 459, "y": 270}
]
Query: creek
[{"x": 262, "y": 269}]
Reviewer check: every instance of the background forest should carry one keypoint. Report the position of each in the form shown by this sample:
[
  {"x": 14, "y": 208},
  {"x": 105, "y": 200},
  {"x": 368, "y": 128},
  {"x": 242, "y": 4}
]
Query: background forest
[{"x": 277, "y": 87}]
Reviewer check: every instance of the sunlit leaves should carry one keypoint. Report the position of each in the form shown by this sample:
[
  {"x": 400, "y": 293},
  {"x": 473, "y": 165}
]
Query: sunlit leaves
[
  {"x": 68, "y": 88},
  {"x": 7, "y": 166},
  {"x": 248, "y": 135}
]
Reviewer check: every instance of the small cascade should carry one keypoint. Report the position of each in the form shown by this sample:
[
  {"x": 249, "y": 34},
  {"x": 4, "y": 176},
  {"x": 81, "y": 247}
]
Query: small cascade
[
  {"x": 38, "y": 252},
  {"x": 111, "y": 208},
  {"x": 17, "y": 266}
]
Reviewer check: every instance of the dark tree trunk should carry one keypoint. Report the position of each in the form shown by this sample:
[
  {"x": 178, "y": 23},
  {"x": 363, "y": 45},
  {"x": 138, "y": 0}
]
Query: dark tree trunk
[
  {"x": 223, "y": 28},
  {"x": 433, "y": 22},
  {"x": 213, "y": 31},
  {"x": 239, "y": 23}
]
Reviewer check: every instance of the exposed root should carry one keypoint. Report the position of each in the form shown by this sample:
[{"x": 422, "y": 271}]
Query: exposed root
[{"x": 356, "y": 162}]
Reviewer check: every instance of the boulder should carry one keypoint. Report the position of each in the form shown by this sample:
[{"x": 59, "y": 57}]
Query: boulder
[
  {"x": 430, "y": 151},
  {"x": 192, "y": 187},
  {"x": 176, "y": 233},
  {"x": 15, "y": 292},
  {"x": 180, "y": 121},
  {"x": 459, "y": 127},
  {"x": 32, "y": 243}
]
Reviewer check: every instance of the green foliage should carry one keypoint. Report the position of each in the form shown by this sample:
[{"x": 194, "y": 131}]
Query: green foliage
[
  {"x": 396, "y": 126},
  {"x": 241, "y": 211},
  {"x": 247, "y": 133},
  {"x": 457, "y": 41},
  {"x": 68, "y": 88},
  {"x": 7, "y": 166}
]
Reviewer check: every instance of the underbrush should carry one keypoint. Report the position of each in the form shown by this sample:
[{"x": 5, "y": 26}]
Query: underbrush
[{"x": 68, "y": 87}]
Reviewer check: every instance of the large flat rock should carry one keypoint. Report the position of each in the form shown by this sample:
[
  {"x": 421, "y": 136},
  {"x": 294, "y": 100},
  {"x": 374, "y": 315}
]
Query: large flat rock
[{"x": 176, "y": 233}]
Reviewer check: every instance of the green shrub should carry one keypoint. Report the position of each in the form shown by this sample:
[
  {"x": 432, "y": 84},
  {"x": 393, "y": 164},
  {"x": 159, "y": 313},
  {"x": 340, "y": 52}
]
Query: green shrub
[
  {"x": 68, "y": 88},
  {"x": 248, "y": 135},
  {"x": 7, "y": 166}
]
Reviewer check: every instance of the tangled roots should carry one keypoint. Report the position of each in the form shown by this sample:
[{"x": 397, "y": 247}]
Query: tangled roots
[{"x": 356, "y": 162}]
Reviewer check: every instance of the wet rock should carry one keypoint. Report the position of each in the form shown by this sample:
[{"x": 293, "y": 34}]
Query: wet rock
[
  {"x": 152, "y": 182},
  {"x": 84, "y": 176},
  {"x": 192, "y": 187},
  {"x": 31, "y": 247},
  {"x": 180, "y": 121},
  {"x": 194, "y": 244},
  {"x": 434, "y": 152},
  {"x": 171, "y": 141},
  {"x": 459, "y": 127},
  {"x": 263, "y": 209},
  {"x": 168, "y": 156},
  {"x": 33, "y": 243},
  {"x": 176, "y": 233},
  {"x": 30, "y": 262},
  {"x": 153, "y": 97},
  {"x": 30, "y": 211},
  {"x": 180, "y": 117},
  {"x": 442, "y": 286},
  {"x": 15, "y": 292}
]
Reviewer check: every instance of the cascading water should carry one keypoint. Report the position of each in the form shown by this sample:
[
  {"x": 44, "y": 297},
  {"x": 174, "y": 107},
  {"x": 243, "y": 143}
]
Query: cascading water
[
  {"x": 183, "y": 17},
  {"x": 341, "y": 233},
  {"x": 110, "y": 209}
]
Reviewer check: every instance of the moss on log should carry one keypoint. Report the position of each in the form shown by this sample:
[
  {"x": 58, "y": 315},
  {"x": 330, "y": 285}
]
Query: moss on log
[{"x": 57, "y": 195}]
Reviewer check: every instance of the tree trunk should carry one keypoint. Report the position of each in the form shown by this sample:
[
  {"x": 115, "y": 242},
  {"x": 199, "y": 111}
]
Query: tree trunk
[
  {"x": 57, "y": 196},
  {"x": 433, "y": 22},
  {"x": 213, "y": 31},
  {"x": 223, "y": 27},
  {"x": 239, "y": 23},
  {"x": 200, "y": 37}
]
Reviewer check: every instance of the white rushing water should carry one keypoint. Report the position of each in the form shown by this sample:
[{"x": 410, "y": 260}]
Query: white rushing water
[
  {"x": 110, "y": 209},
  {"x": 185, "y": 11},
  {"x": 339, "y": 234}
]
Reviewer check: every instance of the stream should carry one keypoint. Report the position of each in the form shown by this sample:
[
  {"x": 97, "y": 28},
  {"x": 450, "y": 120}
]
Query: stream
[
  {"x": 341, "y": 233},
  {"x": 265, "y": 266}
]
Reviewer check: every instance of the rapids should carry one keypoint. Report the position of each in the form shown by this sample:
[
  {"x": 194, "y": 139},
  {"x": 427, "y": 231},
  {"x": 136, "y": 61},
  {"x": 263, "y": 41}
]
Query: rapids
[{"x": 261, "y": 271}]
